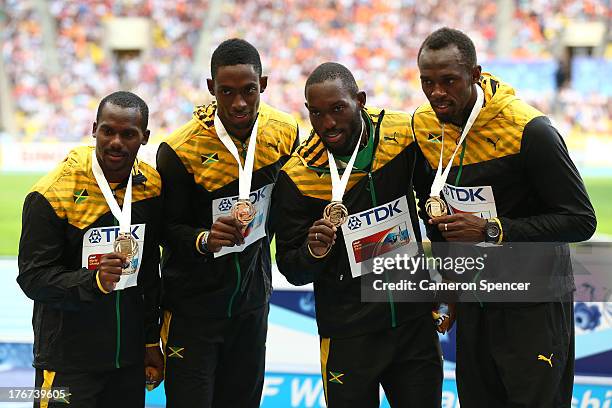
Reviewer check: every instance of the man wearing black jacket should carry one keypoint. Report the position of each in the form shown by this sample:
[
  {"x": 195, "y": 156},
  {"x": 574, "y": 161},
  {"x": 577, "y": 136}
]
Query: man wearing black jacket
[
  {"x": 512, "y": 182},
  {"x": 96, "y": 310},
  {"x": 363, "y": 344},
  {"x": 216, "y": 271}
]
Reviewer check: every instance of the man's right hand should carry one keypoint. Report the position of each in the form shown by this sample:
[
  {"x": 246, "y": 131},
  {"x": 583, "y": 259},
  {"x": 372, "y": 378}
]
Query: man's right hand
[
  {"x": 226, "y": 231},
  {"x": 321, "y": 236},
  {"x": 109, "y": 271}
]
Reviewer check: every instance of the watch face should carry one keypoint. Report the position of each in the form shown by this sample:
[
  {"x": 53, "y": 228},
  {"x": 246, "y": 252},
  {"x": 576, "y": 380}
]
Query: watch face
[{"x": 492, "y": 230}]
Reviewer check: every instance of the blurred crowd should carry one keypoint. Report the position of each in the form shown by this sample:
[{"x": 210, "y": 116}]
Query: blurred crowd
[
  {"x": 377, "y": 39},
  {"x": 539, "y": 23},
  {"x": 61, "y": 105}
]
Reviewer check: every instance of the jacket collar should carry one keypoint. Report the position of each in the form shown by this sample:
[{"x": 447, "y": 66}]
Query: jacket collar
[{"x": 313, "y": 152}]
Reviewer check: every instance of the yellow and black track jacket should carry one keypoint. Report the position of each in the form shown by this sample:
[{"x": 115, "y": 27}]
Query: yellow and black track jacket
[
  {"x": 303, "y": 191},
  {"x": 196, "y": 169},
  {"x": 513, "y": 148},
  {"x": 77, "y": 328}
]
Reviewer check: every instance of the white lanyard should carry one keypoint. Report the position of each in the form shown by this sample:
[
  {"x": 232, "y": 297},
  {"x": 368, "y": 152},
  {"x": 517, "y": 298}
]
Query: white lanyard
[
  {"x": 440, "y": 178},
  {"x": 339, "y": 184},
  {"x": 124, "y": 216},
  {"x": 245, "y": 174}
]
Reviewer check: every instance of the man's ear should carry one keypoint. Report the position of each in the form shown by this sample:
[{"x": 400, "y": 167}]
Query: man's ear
[
  {"x": 211, "y": 86},
  {"x": 361, "y": 99},
  {"x": 146, "y": 135},
  {"x": 476, "y": 73},
  {"x": 263, "y": 83},
  {"x": 94, "y": 128}
]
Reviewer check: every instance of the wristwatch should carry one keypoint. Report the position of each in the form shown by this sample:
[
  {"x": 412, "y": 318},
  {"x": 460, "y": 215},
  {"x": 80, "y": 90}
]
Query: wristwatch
[{"x": 493, "y": 231}]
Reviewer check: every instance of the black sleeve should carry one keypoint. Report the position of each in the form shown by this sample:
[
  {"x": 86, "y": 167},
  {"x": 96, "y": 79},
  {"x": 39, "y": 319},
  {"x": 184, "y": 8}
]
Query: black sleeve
[
  {"x": 43, "y": 276},
  {"x": 566, "y": 214},
  {"x": 292, "y": 223},
  {"x": 149, "y": 270},
  {"x": 178, "y": 188},
  {"x": 273, "y": 217}
]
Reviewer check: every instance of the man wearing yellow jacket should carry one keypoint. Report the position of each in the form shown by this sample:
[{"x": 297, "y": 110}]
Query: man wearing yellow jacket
[
  {"x": 96, "y": 307},
  {"x": 364, "y": 344},
  {"x": 219, "y": 170},
  {"x": 513, "y": 167}
]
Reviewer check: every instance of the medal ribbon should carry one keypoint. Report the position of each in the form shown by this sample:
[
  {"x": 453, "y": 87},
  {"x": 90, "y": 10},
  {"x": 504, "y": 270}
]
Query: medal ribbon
[
  {"x": 245, "y": 174},
  {"x": 441, "y": 177},
  {"x": 339, "y": 184},
  {"x": 124, "y": 216}
]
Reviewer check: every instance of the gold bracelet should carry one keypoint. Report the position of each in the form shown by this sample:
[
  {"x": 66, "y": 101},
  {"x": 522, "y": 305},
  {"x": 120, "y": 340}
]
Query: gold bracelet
[
  {"x": 203, "y": 234},
  {"x": 100, "y": 284},
  {"x": 501, "y": 231},
  {"x": 318, "y": 256}
]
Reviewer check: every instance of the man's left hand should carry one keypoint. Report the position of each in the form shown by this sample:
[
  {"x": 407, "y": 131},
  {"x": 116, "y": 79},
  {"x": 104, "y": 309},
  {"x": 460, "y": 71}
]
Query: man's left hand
[
  {"x": 461, "y": 227},
  {"x": 154, "y": 367}
]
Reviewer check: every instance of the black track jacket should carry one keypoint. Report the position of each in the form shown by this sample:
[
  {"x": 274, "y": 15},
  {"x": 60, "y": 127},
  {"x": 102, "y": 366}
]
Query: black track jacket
[{"x": 77, "y": 328}]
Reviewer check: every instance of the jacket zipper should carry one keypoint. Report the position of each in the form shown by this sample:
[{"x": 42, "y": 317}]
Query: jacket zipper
[
  {"x": 237, "y": 288},
  {"x": 459, "y": 173},
  {"x": 236, "y": 260},
  {"x": 389, "y": 294},
  {"x": 374, "y": 203},
  {"x": 117, "y": 311}
]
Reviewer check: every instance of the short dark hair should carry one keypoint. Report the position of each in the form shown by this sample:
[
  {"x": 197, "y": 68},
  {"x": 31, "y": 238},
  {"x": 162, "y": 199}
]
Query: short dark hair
[
  {"x": 126, "y": 99},
  {"x": 330, "y": 71},
  {"x": 235, "y": 51},
  {"x": 445, "y": 37}
]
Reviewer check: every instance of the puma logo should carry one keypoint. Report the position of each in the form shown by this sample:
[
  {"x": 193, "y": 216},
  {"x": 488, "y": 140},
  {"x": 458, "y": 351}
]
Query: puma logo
[
  {"x": 394, "y": 138},
  {"x": 494, "y": 143},
  {"x": 546, "y": 359},
  {"x": 274, "y": 146}
]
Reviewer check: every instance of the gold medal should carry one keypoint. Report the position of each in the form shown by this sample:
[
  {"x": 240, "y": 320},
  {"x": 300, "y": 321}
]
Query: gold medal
[
  {"x": 244, "y": 211},
  {"x": 336, "y": 213},
  {"x": 125, "y": 244},
  {"x": 435, "y": 207},
  {"x": 442, "y": 321}
]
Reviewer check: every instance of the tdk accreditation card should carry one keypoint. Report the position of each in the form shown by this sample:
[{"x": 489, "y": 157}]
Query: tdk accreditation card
[
  {"x": 256, "y": 228},
  {"x": 99, "y": 241},
  {"x": 377, "y": 231},
  {"x": 478, "y": 201}
]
